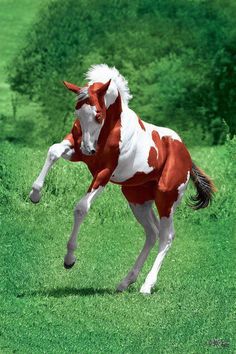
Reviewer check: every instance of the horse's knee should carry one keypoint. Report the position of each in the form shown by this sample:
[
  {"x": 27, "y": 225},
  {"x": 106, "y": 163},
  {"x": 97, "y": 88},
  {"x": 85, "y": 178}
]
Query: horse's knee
[
  {"x": 167, "y": 232},
  {"x": 151, "y": 231},
  {"x": 52, "y": 156},
  {"x": 54, "y": 152},
  {"x": 81, "y": 209},
  {"x": 67, "y": 155},
  {"x": 166, "y": 240},
  {"x": 151, "y": 239}
]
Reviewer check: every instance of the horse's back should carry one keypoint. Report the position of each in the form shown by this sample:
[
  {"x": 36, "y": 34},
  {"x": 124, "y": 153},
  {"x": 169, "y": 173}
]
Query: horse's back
[
  {"x": 143, "y": 149},
  {"x": 162, "y": 131}
]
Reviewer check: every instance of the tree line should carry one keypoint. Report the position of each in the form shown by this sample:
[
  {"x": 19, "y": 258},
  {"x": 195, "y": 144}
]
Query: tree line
[{"x": 178, "y": 56}]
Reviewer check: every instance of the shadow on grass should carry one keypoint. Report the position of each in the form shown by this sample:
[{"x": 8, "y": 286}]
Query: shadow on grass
[{"x": 64, "y": 292}]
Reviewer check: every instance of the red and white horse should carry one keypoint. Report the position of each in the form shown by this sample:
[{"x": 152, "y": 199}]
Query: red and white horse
[{"x": 151, "y": 164}]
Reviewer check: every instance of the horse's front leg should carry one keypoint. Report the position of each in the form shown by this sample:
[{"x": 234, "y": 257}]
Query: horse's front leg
[
  {"x": 56, "y": 151},
  {"x": 81, "y": 211}
]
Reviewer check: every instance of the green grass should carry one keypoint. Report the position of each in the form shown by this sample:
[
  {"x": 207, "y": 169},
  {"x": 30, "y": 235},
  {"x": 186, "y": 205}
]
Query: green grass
[{"x": 46, "y": 309}]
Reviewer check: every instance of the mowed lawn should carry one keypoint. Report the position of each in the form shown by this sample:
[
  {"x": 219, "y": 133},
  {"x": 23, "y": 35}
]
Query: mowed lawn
[{"x": 47, "y": 309}]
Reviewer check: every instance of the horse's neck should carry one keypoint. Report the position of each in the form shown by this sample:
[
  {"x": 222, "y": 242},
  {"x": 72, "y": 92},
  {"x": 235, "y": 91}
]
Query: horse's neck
[
  {"x": 129, "y": 129},
  {"x": 119, "y": 115},
  {"x": 113, "y": 115}
]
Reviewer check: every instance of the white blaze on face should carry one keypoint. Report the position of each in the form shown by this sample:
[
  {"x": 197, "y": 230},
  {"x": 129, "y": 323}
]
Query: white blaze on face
[{"x": 90, "y": 128}]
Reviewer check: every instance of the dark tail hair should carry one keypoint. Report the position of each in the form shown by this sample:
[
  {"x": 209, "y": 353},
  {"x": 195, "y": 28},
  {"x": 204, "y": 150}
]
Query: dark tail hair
[{"x": 205, "y": 188}]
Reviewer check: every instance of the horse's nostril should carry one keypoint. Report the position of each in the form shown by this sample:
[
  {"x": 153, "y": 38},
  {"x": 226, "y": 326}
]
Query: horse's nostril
[{"x": 93, "y": 151}]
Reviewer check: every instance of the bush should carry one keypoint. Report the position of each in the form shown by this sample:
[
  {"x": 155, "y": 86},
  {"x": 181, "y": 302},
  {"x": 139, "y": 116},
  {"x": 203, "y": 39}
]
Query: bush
[{"x": 175, "y": 55}]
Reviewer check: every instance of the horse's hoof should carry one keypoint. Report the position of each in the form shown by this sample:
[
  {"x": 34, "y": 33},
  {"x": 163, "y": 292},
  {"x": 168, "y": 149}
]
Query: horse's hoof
[
  {"x": 145, "y": 290},
  {"x": 121, "y": 287},
  {"x": 69, "y": 266},
  {"x": 35, "y": 196},
  {"x": 145, "y": 293}
]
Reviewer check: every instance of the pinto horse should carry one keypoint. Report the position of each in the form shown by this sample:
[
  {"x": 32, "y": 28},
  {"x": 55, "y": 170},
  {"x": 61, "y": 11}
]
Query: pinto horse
[{"x": 151, "y": 164}]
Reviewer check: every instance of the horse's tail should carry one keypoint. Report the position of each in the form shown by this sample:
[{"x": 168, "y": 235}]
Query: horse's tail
[{"x": 205, "y": 188}]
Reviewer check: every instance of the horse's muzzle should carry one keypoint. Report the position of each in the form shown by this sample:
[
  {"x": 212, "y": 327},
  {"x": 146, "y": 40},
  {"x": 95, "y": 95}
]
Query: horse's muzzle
[{"x": 87, "y": 152}]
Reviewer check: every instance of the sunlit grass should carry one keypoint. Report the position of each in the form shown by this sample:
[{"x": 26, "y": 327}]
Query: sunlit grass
[{"x": 46, "y": 309}]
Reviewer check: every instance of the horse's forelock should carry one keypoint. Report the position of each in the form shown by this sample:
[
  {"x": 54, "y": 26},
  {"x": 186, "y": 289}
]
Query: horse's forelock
[{"x": 82, "y": 94}]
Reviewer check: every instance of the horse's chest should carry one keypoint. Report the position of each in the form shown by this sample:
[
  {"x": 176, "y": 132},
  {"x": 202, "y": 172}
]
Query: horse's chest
[{"x": 133, "y": 158}]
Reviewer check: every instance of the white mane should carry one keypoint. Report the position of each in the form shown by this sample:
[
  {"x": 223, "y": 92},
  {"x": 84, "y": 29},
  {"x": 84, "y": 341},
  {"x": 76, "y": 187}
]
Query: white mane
[{"x": 102, "y": 73}]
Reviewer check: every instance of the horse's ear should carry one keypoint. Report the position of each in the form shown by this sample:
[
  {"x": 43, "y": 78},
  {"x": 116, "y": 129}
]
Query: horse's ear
[
  {"x": 102, "y": 90},
  {"x": 71, "y": 87}
]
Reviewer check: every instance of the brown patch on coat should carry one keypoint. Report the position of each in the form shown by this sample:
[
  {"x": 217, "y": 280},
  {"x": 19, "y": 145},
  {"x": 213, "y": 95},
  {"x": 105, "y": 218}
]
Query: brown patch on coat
[{"x": 141, "y": 124}]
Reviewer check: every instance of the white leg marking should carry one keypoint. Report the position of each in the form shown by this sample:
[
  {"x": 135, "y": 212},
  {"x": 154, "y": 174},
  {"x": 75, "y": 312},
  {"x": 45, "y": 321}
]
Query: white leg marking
[
  {"x": 54, "y": 153},
  {"x": 166, "y": 236},
  {"x": 80, "y": 212},
  {"x": 156, "y": 221},
  {"x": 146, "y": 217}
]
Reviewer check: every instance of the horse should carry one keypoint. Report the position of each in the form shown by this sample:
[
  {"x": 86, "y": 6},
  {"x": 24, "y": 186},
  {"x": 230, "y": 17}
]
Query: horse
[{"x": 150, "y": 163}]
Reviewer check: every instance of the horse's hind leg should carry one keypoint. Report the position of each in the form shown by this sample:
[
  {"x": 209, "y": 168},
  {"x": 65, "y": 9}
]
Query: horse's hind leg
[
  {"x": 166, "y": 236},
  {"x": 54, "y": 153},
  {"x": 146, "y": 217},
  {"x": 166, "y": 203}
]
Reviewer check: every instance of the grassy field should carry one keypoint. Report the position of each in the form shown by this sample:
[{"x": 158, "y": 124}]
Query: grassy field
[{"x": 46, "y": 309}]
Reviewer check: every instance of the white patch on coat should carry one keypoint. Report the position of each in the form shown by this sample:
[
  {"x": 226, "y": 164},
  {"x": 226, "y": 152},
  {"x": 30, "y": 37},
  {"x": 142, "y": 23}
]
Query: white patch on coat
[
  {"x": 135, "y": 144},
  {"x": 162, "y": 131},
  {"x": 181, "y": 190}
]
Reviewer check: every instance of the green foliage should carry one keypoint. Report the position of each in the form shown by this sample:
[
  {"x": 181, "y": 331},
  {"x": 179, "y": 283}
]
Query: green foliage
[
  {"x": 224, "y": 78},
  {"x": 176, "y": 56},
  {"x": 21, "y": 121},
  {"x": 15, "y": 21}
]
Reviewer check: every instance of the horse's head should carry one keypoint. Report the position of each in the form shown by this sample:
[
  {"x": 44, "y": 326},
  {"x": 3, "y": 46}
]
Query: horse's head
[{"x": 91, "y": 112}]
